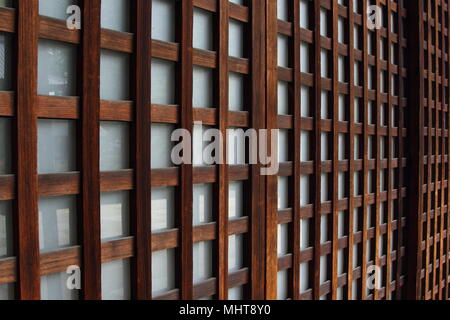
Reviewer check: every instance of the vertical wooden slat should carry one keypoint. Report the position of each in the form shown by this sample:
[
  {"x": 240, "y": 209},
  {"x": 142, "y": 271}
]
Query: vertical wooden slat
[
  {"x": 415, "y": 147},
  {"x": 366, "y": 152},
  {"x": 90, "y": 153},
  {"x": 388, "y": 150},
  {"x": 447, "y": 254},
  {"x": 295, "y": 149},
  {"x": 26, "y": 204},
  {"x": 317, "y": 136},
  {"x": 184, "y": 84},
  {"x": 141, "y": 88},
  {"x": 351, "y": 142},
  {"x": 335, "y": 149},
  {"x": 271, "y": 123},
  {"x": 257, "y": 185},
  {"x": 221, "y": 188}
]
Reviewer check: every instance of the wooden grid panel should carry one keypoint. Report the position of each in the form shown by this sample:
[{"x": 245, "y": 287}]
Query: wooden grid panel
[{"x": 351, "y": 173}]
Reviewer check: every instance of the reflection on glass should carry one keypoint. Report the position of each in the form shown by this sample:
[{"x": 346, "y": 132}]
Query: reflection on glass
[
  {"x": 163, "y": 20},
  {"x": 5, "y": 146},
  {"x": 54, "y": 287},
  {"x": 55, "y": 8},
  {"x": 115, "y": 207},
  {"x": 114, "y": 75},
  {"x": 57, "y": 65},
  {"x": 114, "y": 146},
  {"x": 116, "y": 281},
  {"x": 202, "y": 204},
  {"x": 6, "y": 291},
  {"x": 57, "y": 222},
  {"x": 56, "y": 146},
  {"x": 163, "y": 82},
  {"x": 6, "y": 48},
  {"x": 163, "y": 271},
  {"x": 161, "y": 145},
  {"x": 202, "y": 261},
  {"x": 116, "y": 15},
  {"x": 6, "y": 229},
  {"x": 163, "y": 208}
]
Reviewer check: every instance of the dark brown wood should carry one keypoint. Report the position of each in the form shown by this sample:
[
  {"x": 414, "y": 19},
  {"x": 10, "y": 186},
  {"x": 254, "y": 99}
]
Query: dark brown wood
[
  {"x": 90, "y": 150},
  {"x": 26, "y": 204},
  {"x": 141, "y": 142}
]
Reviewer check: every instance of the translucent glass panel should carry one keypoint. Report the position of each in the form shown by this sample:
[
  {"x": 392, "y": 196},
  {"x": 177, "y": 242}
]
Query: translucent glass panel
[
  {"x": 114, "y": 75},
  {"x": 161, "y": 145},
  {"x": 163, "y": 208},
  {"x": 57, "y": 222},
  {"x": 57, "y": 65},
  {"x": 283, "y": 145},
  {"x": 203, "y": 87},
  {"x": 283, "y": 9},
  {"x": 55, "y": 8},
  {"x": 114, "y": 145},
  {"x": 115, "y": 215},
  {"x": 6, "y": 229},
  {"x": 282, "y": 284},
  {"x": 6, "y": 291},
  {"x": 163, "y": 271},
  {"x": 163, "y": 20},
  {"x": 240, "y": 2},
  {"x": 283, "y": 239},
  {"x": 305, "y": 57},
  {"x": 236, "y": 92},
  {"x": 283, "y": 51},
  {"x": 202, "y": 203},
  {"x": 203, "y": 29},
  {"x": 6, "y": 3},
  {"x": 304, "y": 14},
  {"x": 116, "y": 15},
  {"x": 202, "y": 261},
  {"x": 236, "y": 293},
  {"x": 236, "y": 41},
  {"x": 235, "y": 252},
  {"x": 6, "y": 54},
  {"x": 283, "y": 98},
  {"x": 54, "y": 287},
  {"x": 56, "y": 146},
  {"x": 163, "y": 82},
  {"x": 236, "y": 145},
  {"x": 116, "y": 281},
  {"x": 5, "y": 146},
  {"x": 236, "y": 199},
  {"x": 199, "y": 144},
  {"x": 283, "y": 189}
]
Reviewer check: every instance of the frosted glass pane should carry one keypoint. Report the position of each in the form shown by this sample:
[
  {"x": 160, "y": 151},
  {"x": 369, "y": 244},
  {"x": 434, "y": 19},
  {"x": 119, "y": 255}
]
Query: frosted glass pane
[
  {"x": 6, "y": 3},
  {"x": 305, "y": 101},
  {"x": 57, "y": 222},
  {"x": 236, "y": 41},
  {"x": 236, "y": 293},
  {"x": 283, "y": 51},
  {"x": 199, "y": 144},
  {"x": 116, "y": 280},
  {"x": 304, "y": 14},
  {"x": 163, "y": 82},
  {"x": 203, "y": 29},
  {"x": 55, "y": 8},
  {"x": 56, "y": 146},
  {"x": 283, "y": 98},
  {"x": 323, "y": 269},
  {"x": 57, "y": 65},
  {"x": 202, "y": 203},
  {"x": 282, "y": 287},
  {"x": 304, "y": 277},
  {"x": 305, "y": 138},
  {"x": 162, "y": 145},
  {"x": 115, "y": 212},
  {"x": 283, "y": 239},
  {"x": 202, "y": 261},
  {"x": 283, "y": 9},
  {"x": 283, "y": 145},
  {"x": 163, "y": 208},
  {"x": 6, "y": 53},
  {"x": 236, "y": 92},
  {"x": 202, "y": 94},
  {"x": 283, "y": 187},
  {"x": 114, "y": 75},
  {"x": 54, "y": 287},
  {"x": 7, "y": 291},
  {"x": 304, "y": 232},
  {"x": 114, "y": 145},
  {"x": 116, "y": 15},
  {"x": 236, "y": 145},
  {"x": 236, "y": 199},
  {"x": 163, "y": 271},
  {"x": 323, "y": 22},
  {"x": 163, "y": 20},
  {"x": 305, "y": 198},
  {"x": 5, "y": 146},
  {"x": 6, "y": 229},
  {"x": 325, "y": 73},
  {"x": 235, "y": 252},
  {"x": 304, "y": 57}
]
